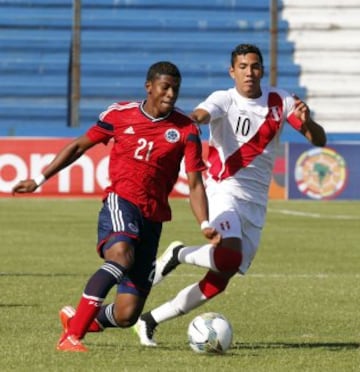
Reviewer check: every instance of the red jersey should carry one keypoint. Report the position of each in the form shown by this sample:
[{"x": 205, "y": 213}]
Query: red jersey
[{"x": 146, "y": 155}]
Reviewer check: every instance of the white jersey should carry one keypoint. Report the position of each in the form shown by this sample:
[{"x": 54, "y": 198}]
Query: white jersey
[{"x": 242, "y": 139}]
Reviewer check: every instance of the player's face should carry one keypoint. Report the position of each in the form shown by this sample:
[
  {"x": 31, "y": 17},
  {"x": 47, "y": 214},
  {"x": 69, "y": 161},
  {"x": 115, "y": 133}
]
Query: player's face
[
  {"x": 162, "y": 94},
  {"x": 247, "y": 73}
]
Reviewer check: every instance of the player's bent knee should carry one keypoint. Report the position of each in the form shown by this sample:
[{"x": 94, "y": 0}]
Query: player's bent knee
[
  {"x": 213, "y": 284},
  {"x": 125, "y": 322},
  {"x": 227, "y": 259},
  {"x": 127, "y": 314}
]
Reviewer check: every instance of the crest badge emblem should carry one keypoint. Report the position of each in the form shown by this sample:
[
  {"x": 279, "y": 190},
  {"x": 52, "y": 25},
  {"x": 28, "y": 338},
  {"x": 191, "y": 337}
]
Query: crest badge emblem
[
  {"x": 172, "y": 135},
  {"x": 321, "y": 173}
]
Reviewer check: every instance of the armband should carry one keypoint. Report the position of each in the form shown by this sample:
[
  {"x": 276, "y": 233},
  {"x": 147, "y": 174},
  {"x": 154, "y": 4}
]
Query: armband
[
  {"x": 204, "y": 225},
  {"x": 39, "y": 180}
]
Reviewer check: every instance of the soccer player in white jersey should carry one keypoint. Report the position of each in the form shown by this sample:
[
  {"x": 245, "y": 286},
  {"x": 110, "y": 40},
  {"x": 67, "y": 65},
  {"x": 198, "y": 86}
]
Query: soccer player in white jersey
[{"x": 245, "y": 122}]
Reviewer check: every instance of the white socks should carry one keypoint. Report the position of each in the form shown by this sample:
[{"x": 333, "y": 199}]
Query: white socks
[
  {"x": 187, "y": 299},
  {"x": 199, "y": 255}
]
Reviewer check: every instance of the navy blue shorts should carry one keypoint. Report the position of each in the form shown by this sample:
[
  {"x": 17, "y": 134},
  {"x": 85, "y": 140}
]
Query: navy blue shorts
[{"x": 120, "y": 220}]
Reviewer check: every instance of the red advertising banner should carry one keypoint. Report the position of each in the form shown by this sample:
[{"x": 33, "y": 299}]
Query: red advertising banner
[
  {"x": 22, "y": 158},
  {"x": 26, "y": 158}
]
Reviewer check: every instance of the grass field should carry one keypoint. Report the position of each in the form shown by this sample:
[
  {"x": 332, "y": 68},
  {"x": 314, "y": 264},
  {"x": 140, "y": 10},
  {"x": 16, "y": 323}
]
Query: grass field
[{"x": 296, "y": 310}]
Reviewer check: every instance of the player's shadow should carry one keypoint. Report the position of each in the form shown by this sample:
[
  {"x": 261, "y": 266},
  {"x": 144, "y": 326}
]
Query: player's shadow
[
  {"x": 333, "y": 346},
  {"x": 39, "y": 275},
  {"x": 18, "y": 305}
]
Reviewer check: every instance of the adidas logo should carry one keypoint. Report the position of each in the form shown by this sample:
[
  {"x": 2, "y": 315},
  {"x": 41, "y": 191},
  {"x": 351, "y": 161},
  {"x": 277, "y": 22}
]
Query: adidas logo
[{"x": 129, "y": 130}]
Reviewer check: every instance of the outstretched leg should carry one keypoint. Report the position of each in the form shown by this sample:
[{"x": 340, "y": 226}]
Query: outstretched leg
[{"x": 186, "y": 300}]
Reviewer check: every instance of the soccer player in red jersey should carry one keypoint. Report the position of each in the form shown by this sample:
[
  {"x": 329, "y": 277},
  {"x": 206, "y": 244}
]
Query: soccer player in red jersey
[{"x": 150, "y": 139}]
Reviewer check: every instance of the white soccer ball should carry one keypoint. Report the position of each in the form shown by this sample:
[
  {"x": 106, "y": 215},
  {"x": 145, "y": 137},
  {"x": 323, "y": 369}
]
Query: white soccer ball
[{"x": 210, "y": 333}]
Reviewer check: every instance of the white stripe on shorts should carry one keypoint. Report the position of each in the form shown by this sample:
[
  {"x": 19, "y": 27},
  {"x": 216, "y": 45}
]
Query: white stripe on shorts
[{"x": 116, "y": 214}]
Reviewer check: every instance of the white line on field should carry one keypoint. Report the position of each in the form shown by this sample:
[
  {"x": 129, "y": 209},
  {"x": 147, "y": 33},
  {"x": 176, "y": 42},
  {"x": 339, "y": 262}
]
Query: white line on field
[
  {"x": 198, "y": 274},
  {"x": 314, "y": 215},
  {"x": 318, "y": 276},
  {"x": 285, "y": 276}
]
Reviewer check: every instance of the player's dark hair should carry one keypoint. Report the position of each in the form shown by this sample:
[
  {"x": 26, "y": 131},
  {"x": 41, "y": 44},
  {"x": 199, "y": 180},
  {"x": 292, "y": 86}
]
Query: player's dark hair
[
  {"x": 162, "y": 68},
  {"x": 243, "y": 49}
]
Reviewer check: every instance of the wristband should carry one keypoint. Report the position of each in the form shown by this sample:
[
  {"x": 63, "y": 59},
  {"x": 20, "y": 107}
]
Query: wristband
[
  {"x": 204, "y": 225},
  {"x": 39, "y": 180}
]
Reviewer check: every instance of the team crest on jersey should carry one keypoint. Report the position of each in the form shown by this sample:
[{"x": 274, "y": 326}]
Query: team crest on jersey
[
  {"x": 172, "y": 135},
  {"x": 133, "y": 227},
  {"x": 275, "y": 112}
]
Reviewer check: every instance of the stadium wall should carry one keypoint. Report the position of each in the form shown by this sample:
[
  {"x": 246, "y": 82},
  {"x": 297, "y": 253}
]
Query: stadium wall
[{"x": 317, "y": 59}]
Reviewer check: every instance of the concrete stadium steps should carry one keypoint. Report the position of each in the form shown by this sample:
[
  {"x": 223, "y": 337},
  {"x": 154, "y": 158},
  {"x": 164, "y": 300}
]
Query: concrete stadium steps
[
  {"x": 325, "y": 34},
  {"x": 123, "y": 86},
  {"x": 141, "y": 4},
  {"x": 185, "y": 4},
  {"x": 119, "y": 41},
  {"x": 125, "y": 19},
  {"x": 116, "y": 67},
  {"x": 104, "y": 39}
]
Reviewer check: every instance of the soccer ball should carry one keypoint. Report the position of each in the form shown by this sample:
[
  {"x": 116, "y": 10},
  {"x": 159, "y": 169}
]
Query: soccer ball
[{"x": 210, "y": 333}]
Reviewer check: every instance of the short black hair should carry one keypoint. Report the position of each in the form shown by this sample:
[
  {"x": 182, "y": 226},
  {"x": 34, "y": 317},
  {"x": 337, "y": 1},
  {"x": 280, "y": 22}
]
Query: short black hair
[
  {"x": 243, "y": 49},
  {"x": 162, "y": 68}
]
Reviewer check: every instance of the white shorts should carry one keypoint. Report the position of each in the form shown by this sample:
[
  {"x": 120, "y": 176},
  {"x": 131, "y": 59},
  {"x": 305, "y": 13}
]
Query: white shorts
[{"x": 240, "y": 219}]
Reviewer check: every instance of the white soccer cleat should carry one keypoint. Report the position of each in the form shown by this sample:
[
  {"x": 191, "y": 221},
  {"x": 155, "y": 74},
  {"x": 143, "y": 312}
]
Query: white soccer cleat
[
  {"x": 167, "y": 262},
  {"x": 145, "y": 333}
]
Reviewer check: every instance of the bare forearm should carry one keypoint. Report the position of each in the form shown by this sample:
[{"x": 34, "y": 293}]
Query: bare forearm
[
  {"x": 199, "y": 204},
  {"x": 200, "y": 116},
  {"x": 65, "y": 157},
  {"x": 314, "y": 132}
]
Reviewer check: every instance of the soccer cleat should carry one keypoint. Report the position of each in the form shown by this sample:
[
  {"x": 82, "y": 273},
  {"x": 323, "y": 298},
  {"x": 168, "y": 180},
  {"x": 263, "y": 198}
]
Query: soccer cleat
[
  {"x": 145, "y": 333},
  {"x": 167, "y": 262},
  {"x": 70, "y": 343},
  {"x": 68, "y": 312},
  {"x": 65, "y": 314}
]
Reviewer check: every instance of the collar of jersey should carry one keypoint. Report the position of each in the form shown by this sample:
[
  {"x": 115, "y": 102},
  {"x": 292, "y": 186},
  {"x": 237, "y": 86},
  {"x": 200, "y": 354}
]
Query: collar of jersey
[{"x": 154, "y": 120}]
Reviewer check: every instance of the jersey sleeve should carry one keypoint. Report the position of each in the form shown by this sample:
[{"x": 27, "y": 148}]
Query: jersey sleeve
[
  {"x": 103, "y": 130},
  {"x": 294, "y": 121},
  {"x": 216, "y": 104},
  {"x": 100, "y": 132},
  {"x": 193, "y": 151}
]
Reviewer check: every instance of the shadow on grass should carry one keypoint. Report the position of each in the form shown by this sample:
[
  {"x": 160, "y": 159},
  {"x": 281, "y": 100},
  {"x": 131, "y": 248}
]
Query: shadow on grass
[
  {"x": 297, "y": 345},
  {"x": 40, "y": 275},
  {"x": 234, "y": 350},
  {"x": 17, "y": 305}
]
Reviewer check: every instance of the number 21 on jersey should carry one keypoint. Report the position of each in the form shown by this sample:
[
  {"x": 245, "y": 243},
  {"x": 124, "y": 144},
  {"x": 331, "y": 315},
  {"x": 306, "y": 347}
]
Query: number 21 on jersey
[{"x": 143, "y": 150}]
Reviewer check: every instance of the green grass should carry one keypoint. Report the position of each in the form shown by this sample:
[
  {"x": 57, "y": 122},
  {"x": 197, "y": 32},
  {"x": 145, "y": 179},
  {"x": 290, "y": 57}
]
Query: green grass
[{"x": 296, "y": 310}]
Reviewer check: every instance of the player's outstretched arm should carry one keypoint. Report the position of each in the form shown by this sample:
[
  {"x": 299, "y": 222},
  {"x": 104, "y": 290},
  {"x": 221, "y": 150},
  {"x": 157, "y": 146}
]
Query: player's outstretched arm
[
  {"x": 65, "y": 157},
  {"x": 314, "y": 132},
  {"x": 199, "y": 206},
  {"x": 310, "y": 129},
  {"x": 200, "y": 116}
]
